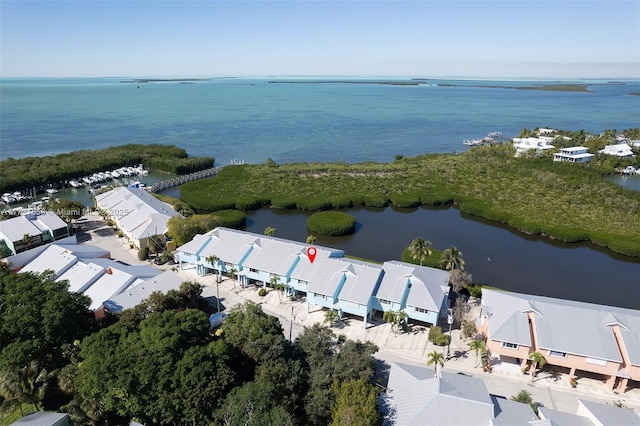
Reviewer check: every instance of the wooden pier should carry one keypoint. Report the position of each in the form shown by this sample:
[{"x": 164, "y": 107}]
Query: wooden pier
[{"x": 179, "y": 180}]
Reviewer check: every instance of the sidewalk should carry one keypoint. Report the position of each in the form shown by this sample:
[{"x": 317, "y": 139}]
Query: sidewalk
[{"x": 412, "y": 347}]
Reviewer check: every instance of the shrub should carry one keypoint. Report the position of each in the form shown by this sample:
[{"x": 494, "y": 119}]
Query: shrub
[
  {"x": 143, "y": 253},
  {"x": 230, "y": 218},
  {"x": 405, "y": 200},
  {"x": 433, "y": 261},
  {"x": 434, "y": 334},
  {"x": 248, "y": 204},
  {"x": 283, "y": 204},
  {"x": 262, "y": 292},
  {"x": 475, "y": 290},
  {"x": 375, "y": 200},
  {"x": 436, "y": 198},
  {"x": 332, "y": 223}
]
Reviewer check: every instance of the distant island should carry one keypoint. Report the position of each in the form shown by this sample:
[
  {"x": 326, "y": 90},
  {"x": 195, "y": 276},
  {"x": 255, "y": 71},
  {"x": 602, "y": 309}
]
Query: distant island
[
  {"x": 164, "y": 80},
  {"x": 547, "y": 87},
  {"x": 389, "y": 82}
]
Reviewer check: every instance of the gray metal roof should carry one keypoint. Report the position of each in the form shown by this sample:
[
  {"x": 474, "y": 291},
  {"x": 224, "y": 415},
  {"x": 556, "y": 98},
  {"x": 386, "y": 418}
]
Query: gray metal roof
[
  {"x": 561, "y": 418},
  {"x": 512, "y": 413},
  {"x": 327, "y": 276},
  {"x": 417, "y": 397},
  {"x": 135, "y": 294},
  {"x": 53, "y": 258},
  {"x": 426, "y": 285},
  {"x": 362, "y": 280},
  {"x": 15, "y": 228},
  {"x": 609, "y": 415},
  {"x": 43, "y": 418},
  {"x": 564, "y": 325}
]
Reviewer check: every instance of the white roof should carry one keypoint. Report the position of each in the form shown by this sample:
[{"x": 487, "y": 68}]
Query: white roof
[
  {"x": 53, "y": 258},
  {"x": 359, "y": 279},
  {"x": 415, "y": 396},
  {"x": 135, "y": 294},
  {"x": 14, "y": 229},
  {"x": 111, "y": 283},
  {"x": 619, "y": 150},
  {"x": 81, "y": 275},
  {"x": 137, "y": 211},
  {"x": 426, "y": 285}
]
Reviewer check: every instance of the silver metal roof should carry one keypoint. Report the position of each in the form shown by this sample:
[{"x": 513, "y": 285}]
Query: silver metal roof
[{"x": 135, "y": 294}]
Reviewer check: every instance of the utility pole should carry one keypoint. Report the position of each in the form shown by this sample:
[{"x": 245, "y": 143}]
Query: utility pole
[{"x": 293, "y": 317}]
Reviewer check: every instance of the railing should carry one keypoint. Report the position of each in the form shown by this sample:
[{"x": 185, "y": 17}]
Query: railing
[{"x": 179, "y": 180}]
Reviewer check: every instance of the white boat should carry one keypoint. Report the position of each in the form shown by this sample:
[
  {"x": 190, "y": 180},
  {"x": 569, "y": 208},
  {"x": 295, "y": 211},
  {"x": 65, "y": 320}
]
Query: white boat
[
  {"x": 473, "y": 142},
  {"x": 51, "y": 190},
  {"x": 7, "y": 197},
  {"x": 629, "y": 170},
  {"x": 75, "y": 184},
  {"x": 115, "y": 174}
]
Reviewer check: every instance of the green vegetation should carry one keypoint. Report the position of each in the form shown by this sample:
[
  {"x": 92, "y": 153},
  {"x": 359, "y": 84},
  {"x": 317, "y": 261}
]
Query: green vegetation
[
  {"x": 159, "y": 364},
  {"x": 182, "y": 229},
  {"x": 37, "y": 171},
  {"x": 568, "y": 202},
  {"x": 332, "y": 223}
]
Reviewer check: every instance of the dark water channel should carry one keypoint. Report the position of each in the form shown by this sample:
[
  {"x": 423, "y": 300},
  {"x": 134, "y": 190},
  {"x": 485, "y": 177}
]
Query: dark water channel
[{"x": 494, "y": 255}]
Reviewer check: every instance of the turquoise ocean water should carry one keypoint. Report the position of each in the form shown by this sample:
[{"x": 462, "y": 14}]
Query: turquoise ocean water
[{"x": 252, "y": 119}]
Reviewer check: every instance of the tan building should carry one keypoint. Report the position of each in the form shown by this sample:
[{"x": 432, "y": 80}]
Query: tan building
[{"x": 578, "y": 339}]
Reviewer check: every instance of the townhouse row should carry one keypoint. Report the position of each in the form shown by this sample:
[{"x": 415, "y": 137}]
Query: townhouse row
[{"x": 331, "y": 280}]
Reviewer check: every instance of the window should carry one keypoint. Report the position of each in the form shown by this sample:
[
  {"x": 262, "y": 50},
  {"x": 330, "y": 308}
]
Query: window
[
  {"x": 596, "y": 361},
  {"x": 558, "y": 354},
  {"x": 321, "y": 296},
  {"x": 303, "y": 282},
  {"x": 422, "y": 311},
  {"x": 508, "y": 345},
  {"x": 255, "y": 271},
  {"x": 385, "y": 302}
]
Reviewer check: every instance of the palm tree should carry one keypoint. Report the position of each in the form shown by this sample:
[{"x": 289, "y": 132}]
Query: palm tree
[
  {"x": 420, "y": 249},
  {"x": 269, "y": 231},
  {"x": 24, "y": 385},
  {"x": 213, "y": 259},
  {"x": 396, "y": 318},
  {"x": 275, "y": 283},
  {"x": 525, "y": 397},
  {"x": 435, "y": 358},
  {"x": 330, "y": 317},
  {"x": 537, "y": 360},
  {"x": 311, "y": 239},
  {"x": 234, "y": 274},
  {"x": 452, "y": 259},
  {"x": 477, "y": 346}
]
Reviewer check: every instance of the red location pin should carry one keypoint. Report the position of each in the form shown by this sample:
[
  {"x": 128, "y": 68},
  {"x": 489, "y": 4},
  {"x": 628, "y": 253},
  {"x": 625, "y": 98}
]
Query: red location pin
[{"x": 311, "y": 253}]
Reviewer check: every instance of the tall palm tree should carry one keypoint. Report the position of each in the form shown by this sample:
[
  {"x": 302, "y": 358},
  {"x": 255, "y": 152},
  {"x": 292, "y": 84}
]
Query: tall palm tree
[
  {"x": 269, "y": 231},
  {"x": 452, "y": 259},
  {"x": 212, "y": 260},
  {"x": 537, "y": 361},
  {"x": 275, "y": 283},
  {"x": 24, "y": 385},
  {"x": 477, "y": 346},
  {"x": 437, "y": 359},
  {"x": 420, "y": 249},
  {"x": 234, "y": 274}
]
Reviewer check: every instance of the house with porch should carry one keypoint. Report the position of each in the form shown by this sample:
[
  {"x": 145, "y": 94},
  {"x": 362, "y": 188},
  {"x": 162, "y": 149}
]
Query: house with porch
[
  {"x": 618, "y": 150},
  {"x": 345, "y": 285},
  {"x": 576, "y": 338},
  {"x": 574, "y": 154},
  {"x": 256, "y": 258},
  {"x": 416, "y": 395},
  {"x": 420, "y": 291},
  {"x": 137, "y": 213},
  {"x": 25, "y": 232}
]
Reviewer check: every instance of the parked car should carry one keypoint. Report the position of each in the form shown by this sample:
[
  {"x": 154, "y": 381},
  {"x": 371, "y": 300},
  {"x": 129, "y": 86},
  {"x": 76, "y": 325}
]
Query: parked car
[{"x": 217, "y": 319}]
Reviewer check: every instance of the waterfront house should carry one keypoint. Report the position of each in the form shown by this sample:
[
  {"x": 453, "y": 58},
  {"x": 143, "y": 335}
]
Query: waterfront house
[
  {"x": 86, "y": 269},
  {"x": 137, "y": 213},
  {"x": 575, "y": 154},
  {"x": 618, "y": 150},
  {"x": 576, "y": 338},
  {"x": 345, "y": 285},
  {"x": 416, "y": 395},
  {"x": 591, "y": 413},
  {"x": 256, "y": 258},
  {"x": 420, "y": 291},
  {"x": 31, "y": 230},
  {"x": 537, "y": 145}
]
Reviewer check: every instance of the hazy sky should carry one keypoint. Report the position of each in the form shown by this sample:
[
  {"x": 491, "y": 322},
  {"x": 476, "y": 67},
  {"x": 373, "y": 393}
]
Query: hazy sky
[{"x": 513, "y": 38}]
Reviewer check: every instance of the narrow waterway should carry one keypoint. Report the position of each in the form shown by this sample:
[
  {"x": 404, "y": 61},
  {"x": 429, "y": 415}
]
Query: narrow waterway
[{"x": 494, "y": 254}]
